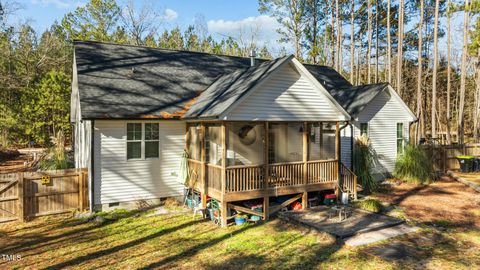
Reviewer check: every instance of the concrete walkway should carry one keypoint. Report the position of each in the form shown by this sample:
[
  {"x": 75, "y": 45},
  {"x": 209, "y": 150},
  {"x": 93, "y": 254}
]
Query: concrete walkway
[
  {"x": 358, "y": 221},
  {"x": 379, "y": 235}
]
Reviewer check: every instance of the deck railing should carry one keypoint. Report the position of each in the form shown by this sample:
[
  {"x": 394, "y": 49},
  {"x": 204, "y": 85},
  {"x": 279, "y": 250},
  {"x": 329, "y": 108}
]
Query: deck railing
[
  {"x": 214, "y": 176},
  {"x": 252, "y": 177},
  {"x": 244, "y": 178},
  {"x": 195, "y": 171},
  {"x": 349, "y": 180},
  {"x": 285, "y": 174},
  {"x": 322, "y": 171}
]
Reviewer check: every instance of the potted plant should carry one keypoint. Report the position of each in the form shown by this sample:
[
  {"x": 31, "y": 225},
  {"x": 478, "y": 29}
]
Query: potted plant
[{"x": 240, "y": 219}]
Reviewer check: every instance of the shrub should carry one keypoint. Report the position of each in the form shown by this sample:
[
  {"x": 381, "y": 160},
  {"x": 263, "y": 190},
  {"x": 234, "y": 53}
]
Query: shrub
[
  {"x": 413, "y": 166},
  {"x": 371, "y": 205},
  {"x": 363, "y": 161},
  {"x": 55, "y": 159}
]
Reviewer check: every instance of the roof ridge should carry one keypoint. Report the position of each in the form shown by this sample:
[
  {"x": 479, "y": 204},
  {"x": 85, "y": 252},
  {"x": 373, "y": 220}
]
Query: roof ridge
[{"x": 163, "y": 49}]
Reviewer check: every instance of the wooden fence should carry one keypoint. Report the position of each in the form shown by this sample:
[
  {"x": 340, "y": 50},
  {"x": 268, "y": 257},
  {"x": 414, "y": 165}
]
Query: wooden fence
[
  {"x": 444, "y": 156},
  {"x": 26, "y": 195}
]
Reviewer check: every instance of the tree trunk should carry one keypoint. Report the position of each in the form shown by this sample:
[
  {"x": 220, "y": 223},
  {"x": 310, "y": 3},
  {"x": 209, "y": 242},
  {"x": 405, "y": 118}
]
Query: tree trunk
[
  {"x": 376, "y": 41},
  {"x": 389, "y": 45},
  {"x": 435, "y": 67},
  {"x": 369, "y": 41},
  {"x": 449, "y": 70},
  {"x": 352, "y": 42},
  {"x": 337, "y": 44},
  {"x": 477, "y": 100},
  {"x": 419, "y": 72},
  {"x": 332, "y": 38},
  {"x": 400, "y": 47},
  {"x": 463, "y": 75}
]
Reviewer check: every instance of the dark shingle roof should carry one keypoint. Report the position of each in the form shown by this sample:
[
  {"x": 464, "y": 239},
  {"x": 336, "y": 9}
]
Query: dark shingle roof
[
  {"x": 231, "y": 87},
  {"x": 162, "y": 83},
  {"x": 354, "y": 98},
  {"x": 123, "y": 81}
]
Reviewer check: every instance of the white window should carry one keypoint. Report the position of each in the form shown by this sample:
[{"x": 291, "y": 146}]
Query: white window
[
  {"x": 400, "y": 139},
  {"x": 143, "y": 140}
]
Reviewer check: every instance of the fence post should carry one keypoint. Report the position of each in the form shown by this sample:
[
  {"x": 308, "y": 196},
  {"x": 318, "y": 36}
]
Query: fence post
[{"x": 21, "y": 197}]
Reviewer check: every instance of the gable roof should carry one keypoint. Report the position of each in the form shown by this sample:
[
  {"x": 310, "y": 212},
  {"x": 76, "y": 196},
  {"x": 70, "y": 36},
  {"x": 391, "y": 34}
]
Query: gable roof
[
  {"x": 228, "y": 89},
  {"x": 355, "y": 98},
  {"x": 125, "y": 81}
]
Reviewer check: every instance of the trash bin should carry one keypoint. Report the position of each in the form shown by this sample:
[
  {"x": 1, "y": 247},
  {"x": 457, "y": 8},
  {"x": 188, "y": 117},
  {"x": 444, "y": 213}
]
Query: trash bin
[
  {"x": 476, "y": 164},
  {"x": 466, "y": 163}
]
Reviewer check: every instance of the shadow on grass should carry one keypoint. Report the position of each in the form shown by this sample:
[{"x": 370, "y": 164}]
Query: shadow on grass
[{"x": 105, "y": 252}]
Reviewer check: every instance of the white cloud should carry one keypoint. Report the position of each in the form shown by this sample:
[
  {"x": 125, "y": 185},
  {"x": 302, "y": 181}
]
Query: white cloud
[
  {"x": 263, "y": 27},
  {"x": 62, "y": 4},
  {"x": 169, "y": 15}
]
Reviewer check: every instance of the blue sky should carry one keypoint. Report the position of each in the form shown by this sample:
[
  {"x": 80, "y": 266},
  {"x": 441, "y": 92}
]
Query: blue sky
[{"x": 224, "y": 18}]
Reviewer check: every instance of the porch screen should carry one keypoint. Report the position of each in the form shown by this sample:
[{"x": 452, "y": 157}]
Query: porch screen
[
  {"x": 194, "y": 145},
  {"x": 321, "y": 141},
  {"x": 285, "y": 142},
  {"x": 213, "y": 144},
  {"x": 245, "y": 144}
]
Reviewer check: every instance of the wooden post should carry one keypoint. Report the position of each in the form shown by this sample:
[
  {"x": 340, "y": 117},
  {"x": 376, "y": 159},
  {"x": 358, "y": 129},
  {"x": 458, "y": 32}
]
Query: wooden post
[
  {"x": 224, "y": 208},
  {"x": 80, "y": 178},
  {"x": 337, "y": 157},
  {"x": 305, "y": 200},
  {"x": 203, "y": 190},
  {"x": 305, "y": 166},
  {"x": 266, "y": 198},
  {"x": 305, "y": 152},
  {"x": 21, "y": 197}
]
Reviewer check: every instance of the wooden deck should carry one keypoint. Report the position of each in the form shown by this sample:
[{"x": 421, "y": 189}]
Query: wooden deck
[
  {"x": 229, "y": 184},
  {"x": 249, "y": 182}
]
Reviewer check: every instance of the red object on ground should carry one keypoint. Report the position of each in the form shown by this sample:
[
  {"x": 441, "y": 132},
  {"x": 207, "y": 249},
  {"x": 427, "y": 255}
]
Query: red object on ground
[
  {"x": 330, "y": 196},
  {"x": 296, "y": 206}
]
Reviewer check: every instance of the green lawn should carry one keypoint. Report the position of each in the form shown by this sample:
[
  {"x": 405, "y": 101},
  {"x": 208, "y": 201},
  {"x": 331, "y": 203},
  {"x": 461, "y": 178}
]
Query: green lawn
[
  {"x": 446, "y": 211},
  {"x": 175, "y": 241},
  {"x": 172, "y": 241}
]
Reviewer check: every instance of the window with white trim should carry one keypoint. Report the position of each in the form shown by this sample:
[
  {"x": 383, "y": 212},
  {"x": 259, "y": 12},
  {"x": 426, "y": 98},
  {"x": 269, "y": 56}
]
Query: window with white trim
[
  {"x": 400, "y": 139},
  {"x": 143, "y": 140},
  {"x": 363, "y": 129}
]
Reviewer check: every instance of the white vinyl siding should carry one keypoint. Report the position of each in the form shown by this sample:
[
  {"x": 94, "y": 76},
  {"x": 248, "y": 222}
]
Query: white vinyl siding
[
  {"x": 120, "y": 180},
  {"x": 286, "y": 96},
  {"x": 382, "y": 115}
]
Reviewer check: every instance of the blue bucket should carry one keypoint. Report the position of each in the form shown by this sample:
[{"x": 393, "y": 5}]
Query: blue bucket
[{"x": 240, "y": 220}]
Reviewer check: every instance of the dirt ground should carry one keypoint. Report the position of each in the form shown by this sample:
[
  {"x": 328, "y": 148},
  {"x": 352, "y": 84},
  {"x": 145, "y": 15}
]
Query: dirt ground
[
  {"x": 445, "y": 202},
  {"x": 15, "y": 164}
]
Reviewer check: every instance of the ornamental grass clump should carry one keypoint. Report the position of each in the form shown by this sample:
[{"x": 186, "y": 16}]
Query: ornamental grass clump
[
  {"x": 363, "y": 163},
  {"x": 371, "y": 205},
  {"x": 413, "y": 166},
  {"x": 56, "y": 159}
]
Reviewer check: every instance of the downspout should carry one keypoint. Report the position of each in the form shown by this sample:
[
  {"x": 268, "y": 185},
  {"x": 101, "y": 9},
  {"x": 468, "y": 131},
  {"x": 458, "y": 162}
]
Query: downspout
[
  {"x": 351, "y": 146},
  {"x": 92, "y": 154},
  {"x": 340, "y": 184}
]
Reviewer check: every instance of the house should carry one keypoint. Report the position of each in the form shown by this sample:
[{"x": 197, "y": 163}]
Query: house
[{"x": 253, "y": 128}]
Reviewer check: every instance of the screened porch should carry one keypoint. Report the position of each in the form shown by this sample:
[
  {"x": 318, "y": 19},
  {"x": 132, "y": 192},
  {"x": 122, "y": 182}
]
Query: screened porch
[{"x": 232, "y": 161}]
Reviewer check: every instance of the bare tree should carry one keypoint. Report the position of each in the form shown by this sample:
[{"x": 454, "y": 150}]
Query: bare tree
[
  {"x": 140, "y": 23},
  {"x": 420, "y": 123},
  {"x": 389, "y": 44},
  {"x": 376, "y": 41},
  {"x": 463, "y": 74},
  {"x": 400, "y": 46},
  {"x": 435, "y": 67},
  {"x": 352, "y": 41},
  {"x": 337, "y": 43},
  {"x": 449, "y": 70},
  {"x": 369, "y": 41}
]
